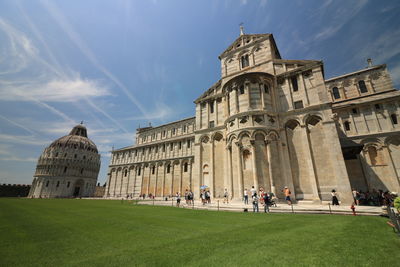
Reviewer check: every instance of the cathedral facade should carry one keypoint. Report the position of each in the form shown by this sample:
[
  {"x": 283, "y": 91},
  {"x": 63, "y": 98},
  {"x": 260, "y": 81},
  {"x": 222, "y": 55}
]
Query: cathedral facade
[{"x": 271, "y": 122}]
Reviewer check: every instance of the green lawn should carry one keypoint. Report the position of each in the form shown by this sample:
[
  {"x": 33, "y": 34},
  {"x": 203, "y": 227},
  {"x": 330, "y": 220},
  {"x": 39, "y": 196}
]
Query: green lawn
[{"x": 63, "y": 232}]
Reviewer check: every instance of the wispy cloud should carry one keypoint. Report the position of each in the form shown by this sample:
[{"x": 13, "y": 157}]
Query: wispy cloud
[
  {"x": 87, "y": 52},
  {"x": 71, "y": 90},
  {"x": 17, "y": 124},
  {"x": 340, "y": 17},
  {"x": 22, "y": 139}
]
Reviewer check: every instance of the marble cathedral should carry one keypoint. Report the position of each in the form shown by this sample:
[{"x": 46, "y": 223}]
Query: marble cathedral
[{"x": 271, "y": 122}]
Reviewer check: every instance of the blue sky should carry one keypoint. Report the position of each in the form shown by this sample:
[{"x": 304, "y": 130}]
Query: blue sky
[{"x": 119, "y": 64}]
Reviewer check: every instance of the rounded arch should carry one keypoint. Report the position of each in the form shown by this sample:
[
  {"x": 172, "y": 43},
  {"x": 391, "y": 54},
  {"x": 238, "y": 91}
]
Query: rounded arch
[
  {"x": 243, "y": 52},
  {"x": 259, "y": 132},
  {"x": 231, "y": 138},
  {"x": 119, "y": 169},
  {"x": 273, "y": 135},
  {"x": 243, "y": 134},
  {"x": 371, "y": 141},
  {"x": 204, "y": 138},
  {"x": 218, "y": 136},
  {"x": 252, "y": 77},
  {"x": 291, "y": 124},
  {"x": 392, "y": 140},
  {"x": 311, "y": 117}
]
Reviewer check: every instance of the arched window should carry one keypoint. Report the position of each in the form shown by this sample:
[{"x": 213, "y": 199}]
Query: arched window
[
  {"x": 245, "y": 61},
  {"x": 125, "y": 173},
  {"x": 47, "y": 184},
  {"x": 347, "y": 126},
  {"x": 153, "y": 169},
  {"x": 266, "y": 88},
  {"x": 68, "y": 184},
  {"x": 65, "y": 169},
  {"x": 393, "y": 117},
  {"x": 169, "y": 168},
  {"x": 362, "y": 86},
  {"x": 241, "y": 89},
  {"x": 58, "y": 184},
  {"x": 139, "y": 171},
  {"x": 185, "y": 167},
  {"x": 82, "y": 171},
  {"x": 336, "y": 93}
]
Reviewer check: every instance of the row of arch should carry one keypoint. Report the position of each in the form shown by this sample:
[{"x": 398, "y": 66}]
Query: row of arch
[{"x": 159, "y": 178}]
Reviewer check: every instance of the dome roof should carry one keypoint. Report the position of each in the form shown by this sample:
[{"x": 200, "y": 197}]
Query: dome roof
[{"x": 77, "y": 138}]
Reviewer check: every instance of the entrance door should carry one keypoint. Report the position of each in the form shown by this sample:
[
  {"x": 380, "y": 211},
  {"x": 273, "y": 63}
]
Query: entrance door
[{"x": 76, "y": 191}]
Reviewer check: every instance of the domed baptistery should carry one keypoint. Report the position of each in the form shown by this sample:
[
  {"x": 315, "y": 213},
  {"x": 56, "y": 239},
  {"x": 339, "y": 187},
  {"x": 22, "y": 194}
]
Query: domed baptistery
[{"x": 68, "y": 167}]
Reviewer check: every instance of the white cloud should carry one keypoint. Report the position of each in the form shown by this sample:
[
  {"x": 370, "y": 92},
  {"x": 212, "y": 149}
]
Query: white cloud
[
  {"x": 22, "y": 139},
  {"x": 54, "y": 90},
  {"x": 341, "y": 16},
  {"x": 15, "y": 158}
]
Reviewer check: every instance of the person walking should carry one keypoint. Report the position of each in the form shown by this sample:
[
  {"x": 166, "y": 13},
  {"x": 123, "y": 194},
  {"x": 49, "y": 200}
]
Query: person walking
[
  {"x": 267, "y": 202},
  {"x": 255, "y": 203},
  {"x": 226, "y": 195},
  {"x": 178, "y": 199},
  {"x": 335, "y": 200},
  {"x": 246, "y": 196},
  {"x": 253, "y": 191},
  {"x": 287, "y": 193}
]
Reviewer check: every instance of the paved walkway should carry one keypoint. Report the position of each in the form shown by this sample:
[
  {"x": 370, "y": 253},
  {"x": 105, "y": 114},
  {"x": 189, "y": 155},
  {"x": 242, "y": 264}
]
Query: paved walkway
[{"x": 237, "y": 206}]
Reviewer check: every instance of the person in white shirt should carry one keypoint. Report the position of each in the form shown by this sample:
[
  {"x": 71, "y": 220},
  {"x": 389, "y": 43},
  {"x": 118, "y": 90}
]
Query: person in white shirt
[{"x": 246, "y": 196}]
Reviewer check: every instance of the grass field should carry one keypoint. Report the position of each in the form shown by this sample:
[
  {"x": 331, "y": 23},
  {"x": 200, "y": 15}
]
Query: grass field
[{"x": 62, "y": 232}]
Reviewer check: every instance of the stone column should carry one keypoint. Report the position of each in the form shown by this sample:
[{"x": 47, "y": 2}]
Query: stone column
[
  {"x": 261, "y": 87},
  {"x": 172, "y": 180},
  {"x": 303, "y": 86},
  {"x": 181, "y": 176},
  {"x": 156, "y": 180},
  {"x": 310, "y": 161},
  {"x": 227, "y": 112},
  {"x": 163, "y": 181},
  {"x": 212, "y": 167},
  {"x": 240, "y": 168},
  {"x": 270, "y": 173},
  {"x": 248, "y": 93},
  {"x": 392, "y": 167},
  {"x": 115, "y": 182},
  {"x": 216, "y": 111},
  {"x": 378, "y": 126},
  {"x": 190, "y": 175},
  {"x": 253, "y": 151},
  {"x": 236, "y": 99}
]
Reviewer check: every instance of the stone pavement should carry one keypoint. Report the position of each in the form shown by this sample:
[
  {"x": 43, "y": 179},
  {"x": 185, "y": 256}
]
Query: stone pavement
[{"x": 323, "y": 208}]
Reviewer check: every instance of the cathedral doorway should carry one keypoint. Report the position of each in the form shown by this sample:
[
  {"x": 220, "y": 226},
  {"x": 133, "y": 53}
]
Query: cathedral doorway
[{"x": 78, "y": 188}]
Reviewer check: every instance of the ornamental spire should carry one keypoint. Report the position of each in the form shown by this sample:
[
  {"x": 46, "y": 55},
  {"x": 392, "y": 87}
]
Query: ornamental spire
[{"x": 241, "y": 29}]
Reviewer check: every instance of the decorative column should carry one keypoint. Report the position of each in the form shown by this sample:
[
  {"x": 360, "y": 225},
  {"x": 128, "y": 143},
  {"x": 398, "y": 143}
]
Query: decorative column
[
  {"x": 190, "y": 175},
  {"x": 378, "y": 126},
  {"x": 216, "y": 111},
  {"x": 163, "y": 181},
  {"x": 247, "y": 92},
  {"x": 270, "y": 173},
  {"x": 212, "y": 161},
  {"x": 236, "y": 100},
  {"x": 115, "y": 182},
  {"x": 240, "y": 168},
  {"x": 156, "y": 180},
  {"x": 261, "y": 87},
  {"x": 172, "y": 180},
  {"x": 253, "y": 151},
  {"x": 303, "y": 85},
  {"x": 310, "y": 156},
  {"x": 181, "y": 176}
]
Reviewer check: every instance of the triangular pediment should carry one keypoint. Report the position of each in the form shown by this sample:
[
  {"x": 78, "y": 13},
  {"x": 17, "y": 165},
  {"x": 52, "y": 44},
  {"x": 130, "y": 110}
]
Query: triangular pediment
[{"x": 244, "y": 41}]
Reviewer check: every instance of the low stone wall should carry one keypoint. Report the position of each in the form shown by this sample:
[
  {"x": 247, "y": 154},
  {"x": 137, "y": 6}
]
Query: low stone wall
[
  {"x": 14, "y": 190},
  {"x": 99, "y": 191}
]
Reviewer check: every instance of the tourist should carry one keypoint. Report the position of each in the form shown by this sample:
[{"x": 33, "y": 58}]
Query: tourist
[
  {"x": 208, "y": 196},
  {"x": 226, "y": 195},
  {"x": 246, "y": 196},
  {"x": 191, "y": 197},
  {"x": 178, "y": 199},
  {"x": 356, "y": 196},
  {"x": 335, "y": 200},
  {"x": 253, "y": 191},
  {"x": 255, "y": 203},
  {"x": 267, "y": 202},
  {"x": 287, "y": 193},
  {"x": 187, "y": 197},
  {"x": 203, "y": 197}
]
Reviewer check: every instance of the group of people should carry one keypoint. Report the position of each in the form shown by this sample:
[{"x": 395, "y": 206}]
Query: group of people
[{"x": 373, "y": 198}]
